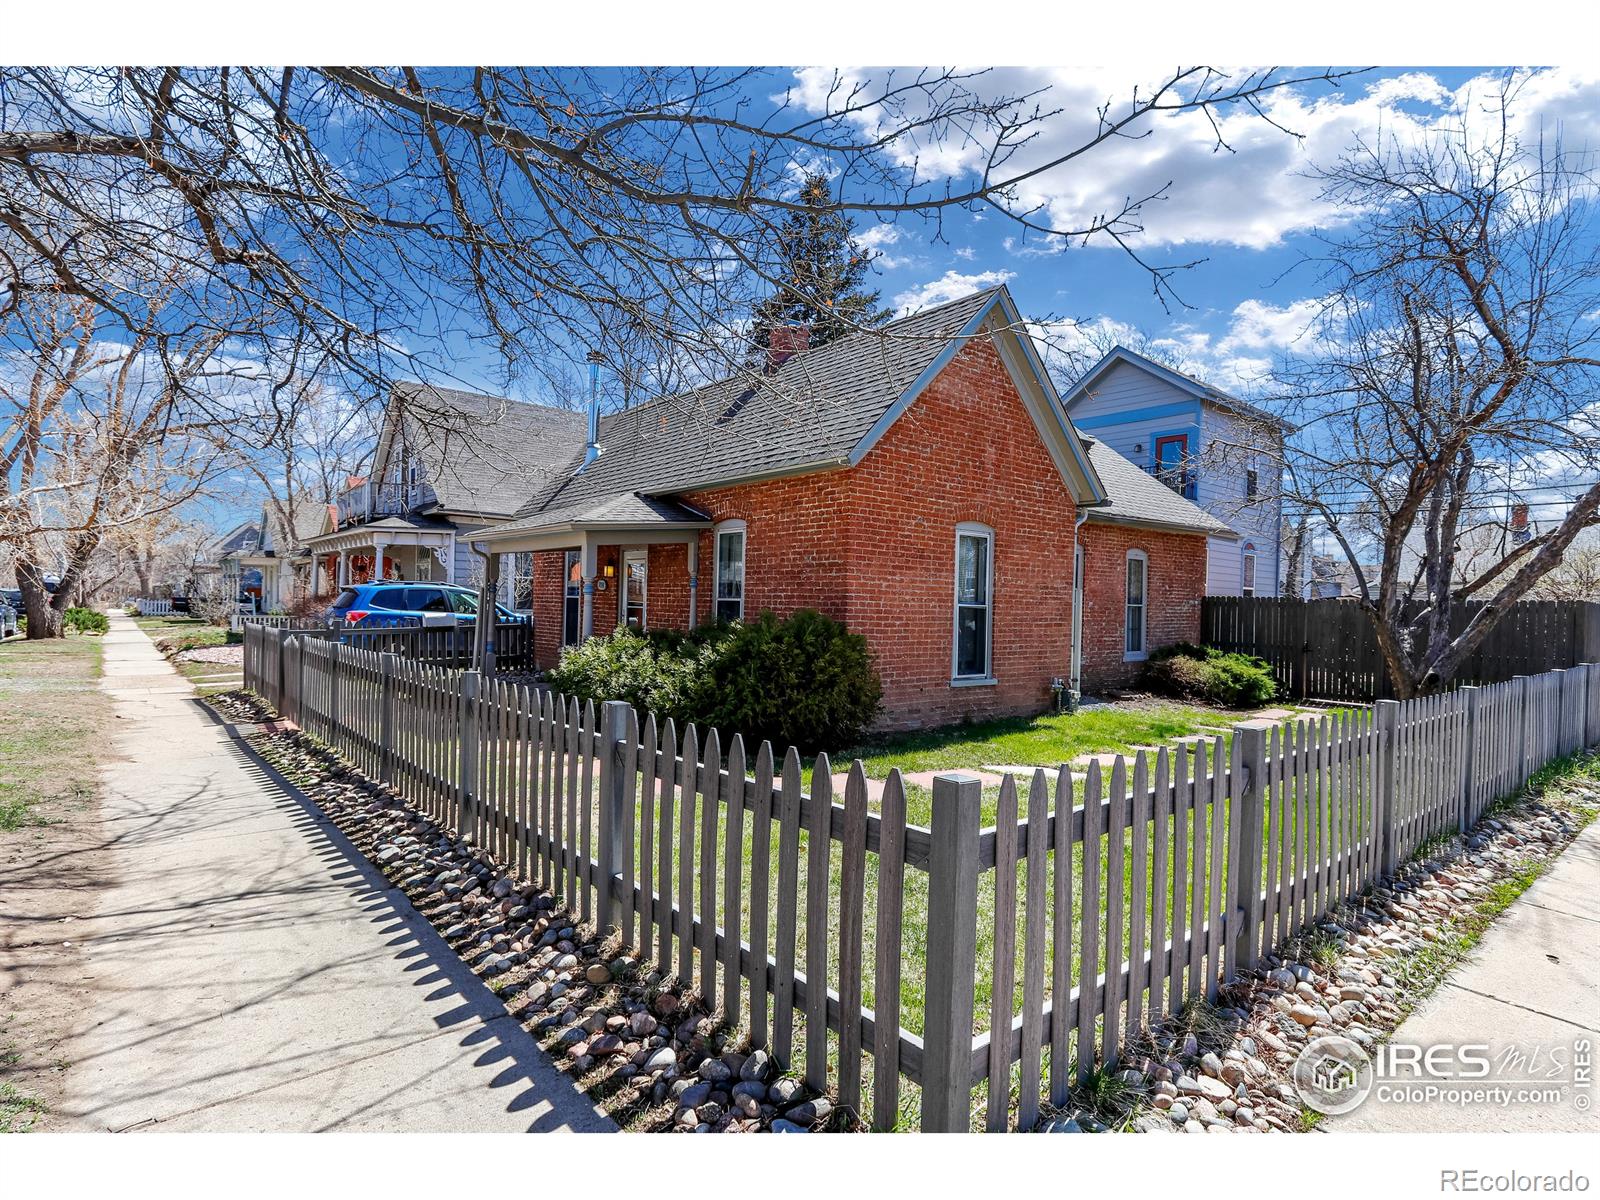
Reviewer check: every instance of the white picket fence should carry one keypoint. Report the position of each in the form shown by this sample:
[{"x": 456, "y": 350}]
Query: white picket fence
[
  {"x": 149, "y": 606},
  {"x": 750, "y": 888}
]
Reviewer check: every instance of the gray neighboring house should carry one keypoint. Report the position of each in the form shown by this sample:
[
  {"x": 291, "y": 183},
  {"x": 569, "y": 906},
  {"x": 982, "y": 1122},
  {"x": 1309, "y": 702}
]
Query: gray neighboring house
[
  {"x": 446, "y": 464},
  {"x": 1209, "y": 447}
]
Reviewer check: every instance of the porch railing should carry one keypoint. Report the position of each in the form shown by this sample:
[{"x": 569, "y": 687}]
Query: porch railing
[{"x": 369, "y": 500}]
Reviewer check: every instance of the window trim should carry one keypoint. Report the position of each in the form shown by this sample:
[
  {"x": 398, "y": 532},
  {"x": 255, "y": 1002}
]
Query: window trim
[
  {"x": 638, "y": 554},
  {"x": 987, "y": 677},
  {"x": 571, "y": 592},
  {"x": 1141, "y": 654},
  {"x": 1249, "y": 569},
  {"x": 724, "y": 529}
]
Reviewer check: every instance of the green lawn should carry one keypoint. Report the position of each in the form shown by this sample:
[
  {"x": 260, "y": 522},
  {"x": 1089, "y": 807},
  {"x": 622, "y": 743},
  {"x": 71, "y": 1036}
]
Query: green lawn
[
  {"x": 1047, "y": 740},
  {"x": 51, "y": 717},
  {"x": 175, "y": 633}
]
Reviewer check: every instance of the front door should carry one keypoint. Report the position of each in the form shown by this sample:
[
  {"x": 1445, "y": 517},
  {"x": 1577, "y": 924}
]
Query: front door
[{"x": 635, "y": 589}]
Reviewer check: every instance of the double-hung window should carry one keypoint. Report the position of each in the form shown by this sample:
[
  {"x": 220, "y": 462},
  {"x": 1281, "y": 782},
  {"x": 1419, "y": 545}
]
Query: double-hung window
[
  {"x": 971, "y": 655},
  {"x": 572, "y": 599},
  {"x": 1133, "y": 642},
  {"x": 729, "y": 596},
  {"x": 1248, "y": 571}
]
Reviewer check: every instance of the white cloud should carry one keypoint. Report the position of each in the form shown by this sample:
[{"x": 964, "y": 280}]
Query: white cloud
[
  {"x": 952, "y": 285},
  {"x": 1260, "y": 326},
  {"x": 1253, "y": 191},
  {"x": 874, "y": 238}
]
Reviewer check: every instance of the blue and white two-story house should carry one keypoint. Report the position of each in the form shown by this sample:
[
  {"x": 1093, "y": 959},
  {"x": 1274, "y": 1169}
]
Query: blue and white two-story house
[{"x": 1210, "y": 447}]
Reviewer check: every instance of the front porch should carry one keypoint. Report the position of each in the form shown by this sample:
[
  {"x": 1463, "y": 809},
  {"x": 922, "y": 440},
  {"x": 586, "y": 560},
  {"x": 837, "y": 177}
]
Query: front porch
[
  {"x": 633, "y": 561},
  {"x": 397, "y": 548}
]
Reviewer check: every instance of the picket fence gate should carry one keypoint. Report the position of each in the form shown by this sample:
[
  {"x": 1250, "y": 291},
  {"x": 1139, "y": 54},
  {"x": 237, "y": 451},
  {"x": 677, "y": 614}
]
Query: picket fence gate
[{"x": 821, "y": 926}]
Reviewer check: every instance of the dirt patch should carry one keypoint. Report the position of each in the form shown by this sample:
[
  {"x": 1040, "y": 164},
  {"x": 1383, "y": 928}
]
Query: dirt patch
[{"x": 53, "y": 862}]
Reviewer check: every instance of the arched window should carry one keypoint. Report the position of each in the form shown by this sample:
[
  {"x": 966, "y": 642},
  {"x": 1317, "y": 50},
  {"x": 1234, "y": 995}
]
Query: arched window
[
  {"x": 1138, "y": 586},
  {"x": 1247, "y": 570},
  {"x": 729, "y": 596},
  {"x": 971, "y": 654}
]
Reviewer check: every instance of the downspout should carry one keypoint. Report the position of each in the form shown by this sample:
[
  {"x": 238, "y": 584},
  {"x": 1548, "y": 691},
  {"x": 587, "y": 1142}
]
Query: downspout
[{"x": 1075, "y": 689}]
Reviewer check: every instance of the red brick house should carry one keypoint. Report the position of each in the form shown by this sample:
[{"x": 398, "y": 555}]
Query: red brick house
[{"x": 920, "y": 483}]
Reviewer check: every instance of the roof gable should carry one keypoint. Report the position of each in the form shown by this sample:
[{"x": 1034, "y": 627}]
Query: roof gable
[
  {"x": 482, "y": 454},
  {"x": 825, "y": 408},
  {"x": 1198, "y": 389}
]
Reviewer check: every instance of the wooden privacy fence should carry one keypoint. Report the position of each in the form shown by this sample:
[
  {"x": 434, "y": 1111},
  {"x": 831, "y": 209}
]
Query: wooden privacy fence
[
  {"x": 1327, "y": 648},
  {"x": 940, "y": 973}
]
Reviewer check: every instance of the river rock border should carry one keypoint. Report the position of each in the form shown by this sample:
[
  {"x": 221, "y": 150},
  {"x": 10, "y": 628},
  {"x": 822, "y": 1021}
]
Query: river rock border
[
  {"x": 1224, "y": 1068},
  {"x": 648, "y": 1053}
]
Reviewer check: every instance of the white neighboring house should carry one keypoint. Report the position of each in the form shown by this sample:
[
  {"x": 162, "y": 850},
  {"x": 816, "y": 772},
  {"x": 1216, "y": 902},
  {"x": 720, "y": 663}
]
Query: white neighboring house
[{"x": 1208, "y": 446}]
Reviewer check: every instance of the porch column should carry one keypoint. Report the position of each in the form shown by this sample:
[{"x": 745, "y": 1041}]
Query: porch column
[
  {"x": 587, "y": 566},
  {"x": 450, "y": 560},
  {"x": 344, "y": 568},
  {"x": 694, "y": 581},
  {"x": 379, "y": 549}
]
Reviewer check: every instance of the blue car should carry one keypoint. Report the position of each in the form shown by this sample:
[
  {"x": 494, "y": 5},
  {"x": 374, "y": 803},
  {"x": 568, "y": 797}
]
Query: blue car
[{"x": 393, "y": 605}]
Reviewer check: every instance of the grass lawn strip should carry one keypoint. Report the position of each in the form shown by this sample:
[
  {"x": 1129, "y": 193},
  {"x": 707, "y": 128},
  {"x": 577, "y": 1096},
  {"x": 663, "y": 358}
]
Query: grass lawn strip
[{"x": 52, "y": 725}]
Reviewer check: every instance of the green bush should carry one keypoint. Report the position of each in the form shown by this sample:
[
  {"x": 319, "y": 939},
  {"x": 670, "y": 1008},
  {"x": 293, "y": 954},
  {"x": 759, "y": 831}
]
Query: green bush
[
  {"x": 87, "y": 620},
  {"x": 804, "y": 681},
  {"x": 1192, "y": 672}
]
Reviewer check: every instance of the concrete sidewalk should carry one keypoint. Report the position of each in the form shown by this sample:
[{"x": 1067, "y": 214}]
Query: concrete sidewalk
[
  {"x": 253, "y": 972},
  {"x": 1534, "y": 981}
]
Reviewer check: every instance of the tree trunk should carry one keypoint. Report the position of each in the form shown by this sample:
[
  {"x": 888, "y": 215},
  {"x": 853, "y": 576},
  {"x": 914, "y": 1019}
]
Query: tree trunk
[{"x": 44, "y": 618}]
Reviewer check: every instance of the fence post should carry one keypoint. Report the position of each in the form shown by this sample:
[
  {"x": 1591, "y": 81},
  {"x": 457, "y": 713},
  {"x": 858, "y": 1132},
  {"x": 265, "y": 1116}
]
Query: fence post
[
  {"x": 1591, "y": 697},
  {"x": 278, "y": 640},
  {"x": 614, "y": 736},
  {"x": 387, "y": 667},
  {"x": 1469, "y": 754},
  {"x": 331, "y": 717},
  {"x": 1249, "y": 792},
  {"x": 952, "y": 964},
  {"x": 467, "y": 787},
  {"x": 1386, "y": 716},
  {"x": 1522, "y": 725},
  {"x": 1563, "y": 693}
]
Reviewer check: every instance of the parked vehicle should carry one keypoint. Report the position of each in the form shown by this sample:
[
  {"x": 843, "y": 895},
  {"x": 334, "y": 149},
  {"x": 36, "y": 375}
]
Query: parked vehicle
[
  {"x": 396, "y": 605},
  {"x": 8, "y": 620}
]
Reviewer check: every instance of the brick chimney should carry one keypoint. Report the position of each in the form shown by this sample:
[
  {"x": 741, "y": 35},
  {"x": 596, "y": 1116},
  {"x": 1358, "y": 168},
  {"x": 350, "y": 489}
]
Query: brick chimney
[
  {"x": 1519, "y": 523},
  {"x": 786, "y": 341}
]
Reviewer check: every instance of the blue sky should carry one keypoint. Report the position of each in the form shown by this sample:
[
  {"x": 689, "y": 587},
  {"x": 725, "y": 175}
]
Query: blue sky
[{"x": 1249, "y": 212}]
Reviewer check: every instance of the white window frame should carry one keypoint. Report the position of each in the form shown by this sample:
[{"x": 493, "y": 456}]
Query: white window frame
[
  {"x": 571, "y": 592},
  {"x": 1249, "y": 567},
  {"x": 965, "y": 530},
  {"x": 638, "y": 554},
  {"x": 1139, "y": 655},
  {"x": 728, "y": 529}
]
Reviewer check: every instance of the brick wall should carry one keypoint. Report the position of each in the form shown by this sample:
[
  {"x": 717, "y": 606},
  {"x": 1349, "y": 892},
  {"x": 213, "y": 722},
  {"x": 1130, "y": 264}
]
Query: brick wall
[
  {"x": 1175, "y": 583},
  {"x": 874, "y": 547}
]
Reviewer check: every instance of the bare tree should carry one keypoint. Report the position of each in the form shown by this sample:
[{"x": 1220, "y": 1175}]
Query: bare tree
[
  {"x": 1458, "y": 345},
  {"x": 93, "y": 438},
  {"x": 356, "y": 212}
]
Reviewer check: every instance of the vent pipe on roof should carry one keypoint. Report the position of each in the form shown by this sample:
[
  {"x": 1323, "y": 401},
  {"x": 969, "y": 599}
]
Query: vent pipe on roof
[{"x": 592, "y": 450}]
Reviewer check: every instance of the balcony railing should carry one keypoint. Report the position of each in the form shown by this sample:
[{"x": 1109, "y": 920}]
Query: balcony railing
[
  {"x": 368, "y": 501},
  {"x": 1182, "y": 480}
]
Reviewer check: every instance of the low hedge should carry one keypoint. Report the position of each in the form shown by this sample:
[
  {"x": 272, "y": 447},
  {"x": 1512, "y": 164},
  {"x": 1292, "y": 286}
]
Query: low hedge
[
  {"x": 1201, "y": 673},
  {"x": 803, "y": 681},
  {"x": 86, "y": 620}
]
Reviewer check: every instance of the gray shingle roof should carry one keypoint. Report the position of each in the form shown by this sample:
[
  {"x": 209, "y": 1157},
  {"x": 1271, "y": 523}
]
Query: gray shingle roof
[
  {"x": 808, "y": 414},
  {"x": 485, "y": 454},
  {"x": 1140, "y": 498},
  {"x": 627, "y": 508}
]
